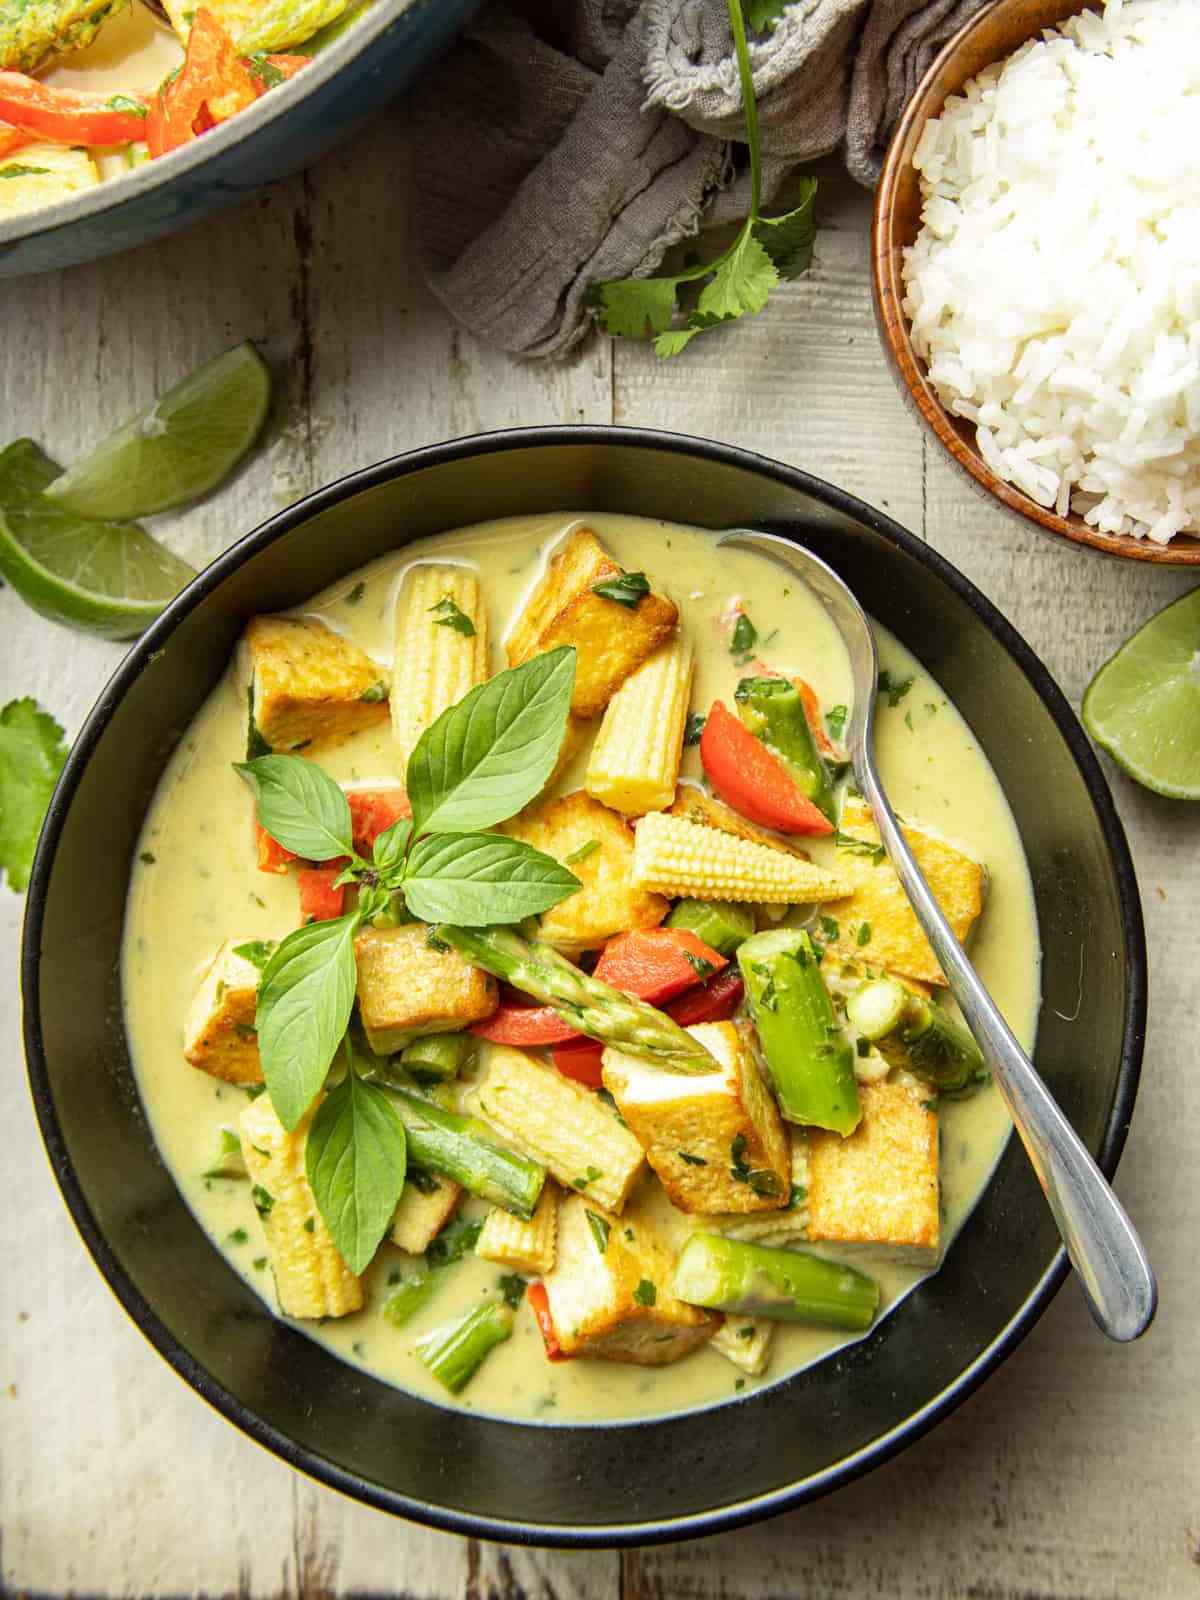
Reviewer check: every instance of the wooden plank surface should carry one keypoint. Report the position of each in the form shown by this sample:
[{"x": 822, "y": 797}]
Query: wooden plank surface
[{"x": 1073, "y": 1473}]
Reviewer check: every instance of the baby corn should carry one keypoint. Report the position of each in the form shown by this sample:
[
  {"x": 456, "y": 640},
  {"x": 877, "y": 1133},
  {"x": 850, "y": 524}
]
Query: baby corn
[
  {"x": 674, "y": 857},
  {"x": 437, "y": 661},
  {"x": 634, "y": 764},
  {"x": 311, "y": 1279},
  {"x": 523, "y": 1246}
]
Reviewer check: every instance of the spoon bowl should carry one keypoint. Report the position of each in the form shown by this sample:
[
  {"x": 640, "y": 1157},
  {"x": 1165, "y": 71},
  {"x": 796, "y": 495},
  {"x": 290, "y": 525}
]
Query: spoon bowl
[{"x": 1101, "y": 1241}]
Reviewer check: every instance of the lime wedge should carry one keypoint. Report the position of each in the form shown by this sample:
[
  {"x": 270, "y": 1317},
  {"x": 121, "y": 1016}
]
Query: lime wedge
[
  {"x": 108, "y": 578},
  {"x": 1143, "y": 706},
  {"x": 177, "y": 449}
]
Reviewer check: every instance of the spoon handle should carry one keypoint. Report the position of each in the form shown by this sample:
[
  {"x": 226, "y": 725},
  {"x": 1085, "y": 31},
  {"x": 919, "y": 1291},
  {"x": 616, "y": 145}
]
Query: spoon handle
[{"x": 1118, "y": 1281}]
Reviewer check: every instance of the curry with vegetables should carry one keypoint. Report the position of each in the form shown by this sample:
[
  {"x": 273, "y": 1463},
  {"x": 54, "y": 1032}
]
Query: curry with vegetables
[
  {"x": 92, "y": 88},
  {"x": 520, "y": 993}
]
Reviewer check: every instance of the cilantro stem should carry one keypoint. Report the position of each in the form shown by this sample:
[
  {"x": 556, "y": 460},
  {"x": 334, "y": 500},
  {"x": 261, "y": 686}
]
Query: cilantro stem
[{"x": 737, "y": 26}]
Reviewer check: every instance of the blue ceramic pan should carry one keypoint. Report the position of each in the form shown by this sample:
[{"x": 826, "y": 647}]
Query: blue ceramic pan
[{"x": 375, "y": 61}]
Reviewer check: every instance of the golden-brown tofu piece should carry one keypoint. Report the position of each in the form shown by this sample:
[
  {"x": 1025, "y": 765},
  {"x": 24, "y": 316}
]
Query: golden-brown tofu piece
[
  {"x": 789, "y": 1226},
  {"x": 694, "y": 804},
  {"x": 876, "y": 1191},
  {"x": 426, "y": 1206},
  {"x": 407, "y": 987},
  {"x": 894, "y": 939},
  {"x": 607, "y": 902},
  {"x": 219, "y": 1035},
  {"x": 309, "y": 685},
  {"x": 715, "y": 1138},
  {"x": 564, "y": 1126},
  {"x": 610, "y": 639},
  {"x": 609, "y": 1291}
]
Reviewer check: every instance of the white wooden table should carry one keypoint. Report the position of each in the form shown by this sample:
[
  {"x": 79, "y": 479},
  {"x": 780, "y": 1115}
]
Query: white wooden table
[{"x": 1074, "y": 1473}]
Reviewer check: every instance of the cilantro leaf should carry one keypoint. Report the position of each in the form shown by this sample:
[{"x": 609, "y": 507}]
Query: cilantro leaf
[
  {"x": 742, "y": 281},
  {"x": 32, "y": 752},
  {"x": 628, "y": 307},
  {"x": 788, "y": 239}
]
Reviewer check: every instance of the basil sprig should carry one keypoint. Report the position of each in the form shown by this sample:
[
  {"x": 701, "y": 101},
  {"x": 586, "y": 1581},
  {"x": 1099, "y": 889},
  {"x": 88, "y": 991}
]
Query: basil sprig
[
  {"x": 480, "y": 762},
  {"x": 355, "y": 1160}
]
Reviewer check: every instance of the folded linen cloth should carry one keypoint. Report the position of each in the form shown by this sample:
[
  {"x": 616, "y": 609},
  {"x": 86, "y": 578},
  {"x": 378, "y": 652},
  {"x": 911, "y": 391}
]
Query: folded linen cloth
[{"x": 564, "y": 142}]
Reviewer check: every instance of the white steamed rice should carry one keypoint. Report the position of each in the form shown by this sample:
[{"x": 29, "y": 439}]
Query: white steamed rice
[{"x": 1054, "y": 288}]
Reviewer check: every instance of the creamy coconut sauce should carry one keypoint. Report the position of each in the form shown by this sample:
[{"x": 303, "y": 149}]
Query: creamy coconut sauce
[{"x": 196, "y": 884}]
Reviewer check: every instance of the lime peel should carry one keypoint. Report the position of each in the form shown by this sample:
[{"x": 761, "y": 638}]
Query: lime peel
[{"x": 1143, "y": 706}]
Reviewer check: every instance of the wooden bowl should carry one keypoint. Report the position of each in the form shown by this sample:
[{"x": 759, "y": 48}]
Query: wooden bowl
[{"x": 990, "y": 35}]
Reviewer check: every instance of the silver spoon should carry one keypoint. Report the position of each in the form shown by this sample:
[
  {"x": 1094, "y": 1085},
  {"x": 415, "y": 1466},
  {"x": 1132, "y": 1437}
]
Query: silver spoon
[{"x": 1109, "y": 1258}]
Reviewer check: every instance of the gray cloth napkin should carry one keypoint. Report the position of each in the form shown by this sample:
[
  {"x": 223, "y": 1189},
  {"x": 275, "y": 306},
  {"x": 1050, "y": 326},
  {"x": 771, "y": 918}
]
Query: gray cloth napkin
[{"x": 564, "y": 142}]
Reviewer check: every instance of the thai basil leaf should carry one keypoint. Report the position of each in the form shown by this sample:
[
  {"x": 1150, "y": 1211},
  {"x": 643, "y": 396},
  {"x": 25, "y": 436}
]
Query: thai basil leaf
[
  {"x": 300, "y": 806},
  {"x": 355, "y": 1159},
  {"x": 480, "y": 879},
  {"x": 391, "y": 845},
  {"x": 304, "y": 1004},
  {"x": 489, "y": 754}
]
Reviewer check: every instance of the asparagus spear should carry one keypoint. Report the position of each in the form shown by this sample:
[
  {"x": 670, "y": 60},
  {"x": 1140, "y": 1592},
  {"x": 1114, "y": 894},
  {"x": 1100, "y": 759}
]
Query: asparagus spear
[
  {"x": 757, "y": 1280},
  {"x": 595, "y": 1008},
  {"x": 453, "y": 1352},
  {"x": 773, "y": 710},
  {"x": 810, "y": 1060},
  {"x": 438, "y": 1055},
  {"x": 910, "y": 1031},
  {"x": 465, "y": 1149},
  {"x": 409, "y": 1296},
  {"x": 722, "y": 924}
]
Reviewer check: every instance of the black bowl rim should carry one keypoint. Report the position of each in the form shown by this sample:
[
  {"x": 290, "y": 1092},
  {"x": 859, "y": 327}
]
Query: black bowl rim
[
  {"x": 153, "y": 176},
  {"x": 653, "y": 1530}
]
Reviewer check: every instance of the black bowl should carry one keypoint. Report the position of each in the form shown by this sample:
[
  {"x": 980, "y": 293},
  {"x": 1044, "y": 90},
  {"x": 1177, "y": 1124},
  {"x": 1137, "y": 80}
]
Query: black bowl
[{"x": 610, "y": 1484}]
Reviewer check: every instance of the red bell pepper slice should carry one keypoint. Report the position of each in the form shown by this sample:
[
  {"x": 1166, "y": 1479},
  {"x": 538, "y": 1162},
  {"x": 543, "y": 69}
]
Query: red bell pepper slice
[
  {"x": 539, "y": 1304},
  {"x": 272, "y": 856},
  {"x": 656, "y": 964},
  {"x": 650, "y": 964},
  {"x": 213, "y": 84},
  {"x": 531, "y": 1026},
  {"x": 320, "y": 901},
  {"x": 812, "y": 711},
  {"x": 582, "y": 1062},
  {"x": 373, "y": 811},
  {"x": 12, "y": 139},
  {"x": 66, "y": 116},
  {"x": 745, "y": 774},
  {"x": 715, "y": 1002}
]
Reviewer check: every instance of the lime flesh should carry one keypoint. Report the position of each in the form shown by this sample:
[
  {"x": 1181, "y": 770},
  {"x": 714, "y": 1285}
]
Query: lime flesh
[
  {"x": 177, "y": 449},
  {"x": 107, "y": 578},
  {"x": 1143, "y": 706}
]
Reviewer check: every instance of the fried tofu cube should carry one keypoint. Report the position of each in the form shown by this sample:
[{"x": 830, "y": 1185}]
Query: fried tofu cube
[
  {"x": 220, "y": 1036},
  {"x": 307, "y": 684},
  {"x": 426, "y": 1206},
  {"x": 522, "y": 1246},
  {"x": 746, "y": 1341},
  {"x": 611, "y": 639},
  {"x": 878, "y": 903},
  {"x": 408, "y": 987},
  {"x": 876, "y": 1192},
  {"x": 694, "y": 804},
  {"x": 609, "y": 1296},
  {"x": 715, "y": 1139},
  {"x": 560, "y": 1124},
  {"x": 786, "y": 1226},
  {"x": 607, "y": 903}
]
